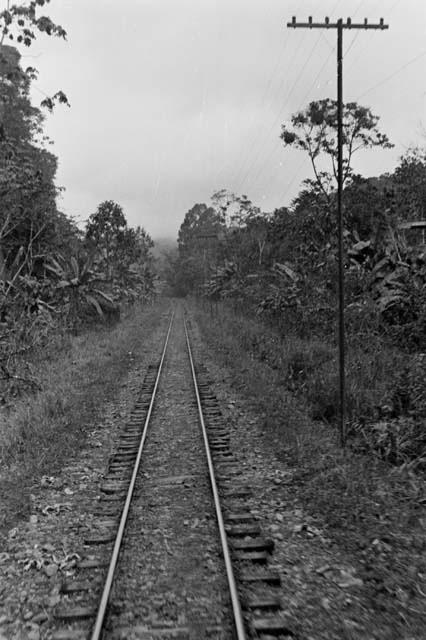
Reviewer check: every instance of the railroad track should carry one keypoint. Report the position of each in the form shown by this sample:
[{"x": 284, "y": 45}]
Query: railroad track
[{"x": 165, "y": 481}]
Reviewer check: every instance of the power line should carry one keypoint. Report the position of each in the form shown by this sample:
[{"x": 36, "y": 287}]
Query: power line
[
  {"x": 394, "y": 6},
  {"x": 253, "y": 162},
  {"x": 261, "y": 135},
  {"x": 262, "y": 103},
  {"x": 251, "y": 157},
  {"x": 258, "y": 136},
  {"x": 264, "y": 165},
  {"x": 370, "y": 43},
  {"x": 289, "y": 185},
  {"x": 351, "y": 44},
  {"x": 392, "y": 75},
  {"x": 265, "y": 93}
]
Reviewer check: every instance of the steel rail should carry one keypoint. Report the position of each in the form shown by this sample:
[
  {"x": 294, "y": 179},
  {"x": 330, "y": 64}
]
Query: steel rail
[
  {"x": 236, "y": 606},
  {"x": 100, "y": 617}
]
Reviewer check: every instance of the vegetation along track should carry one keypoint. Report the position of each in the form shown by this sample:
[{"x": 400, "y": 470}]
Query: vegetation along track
[{"x": 154, "y": 565}]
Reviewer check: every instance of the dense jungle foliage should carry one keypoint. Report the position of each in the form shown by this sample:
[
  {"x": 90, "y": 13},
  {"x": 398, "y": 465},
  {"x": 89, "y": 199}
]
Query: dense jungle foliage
[
  {"x": 54, "y": 275},
  {"x": 281, "y": 267}
]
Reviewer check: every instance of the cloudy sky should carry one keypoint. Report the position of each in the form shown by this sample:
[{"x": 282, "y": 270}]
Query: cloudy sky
[{"x": 171, "y": 101}]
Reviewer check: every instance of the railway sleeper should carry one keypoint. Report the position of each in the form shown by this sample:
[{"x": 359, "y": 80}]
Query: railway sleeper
[
  {"x": 237, "y": 531},
  {"x": 224, "y": 457},
  {"x": 256, "y": 557},
  {"x": 116, "y": 468},
  {"x": 76, "y": 613},
  {"x": 267, "y": 576},
  {"x": 105, "y": 522},
  {"x": 270, "y": 603},
  {"x": 113, "y": 487},
  {"x": 119, "y": 457},
  {"x": 226, "y": 470},
  {"x": 110, "y": 477},
  {"x": 122, "y": 457},
  {"x": 236, "y": 493},
  {"x": 76, "y": 586},
  {"x": 100, "y": 538},
  {"x": 128, "y": 446},
  {"x": 69, "y": 634},
  {"x": 92, "y": 563},
  {"x": 110, "y": 511},
  {"x": 119, "y": 467},
  {"x": 253, "y": 544},
  {"x": 233, "y": 518},
  {"x": 112, "y": 497},
  {"x": 272, "y": 626}
]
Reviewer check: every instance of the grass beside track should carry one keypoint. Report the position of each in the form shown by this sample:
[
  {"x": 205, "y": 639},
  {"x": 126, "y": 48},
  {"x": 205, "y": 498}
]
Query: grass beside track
[
  {"x": 40, "y": 432},
  {"x": 374, "y": 511}
]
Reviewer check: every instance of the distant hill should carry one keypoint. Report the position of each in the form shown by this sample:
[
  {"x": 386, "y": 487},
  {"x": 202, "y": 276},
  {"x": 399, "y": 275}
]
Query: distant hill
[{"x": 163, "y": 244}]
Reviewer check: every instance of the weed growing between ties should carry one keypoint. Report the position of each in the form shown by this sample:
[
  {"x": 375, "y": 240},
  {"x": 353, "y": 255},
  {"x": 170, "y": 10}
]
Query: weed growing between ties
[
  {"x": 41, "y": 431},
  {"x": 362, "y": 494}
]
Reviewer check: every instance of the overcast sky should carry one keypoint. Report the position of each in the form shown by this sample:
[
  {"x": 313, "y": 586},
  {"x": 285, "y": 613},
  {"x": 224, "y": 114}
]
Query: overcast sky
[{"x": 171, "y": 101}]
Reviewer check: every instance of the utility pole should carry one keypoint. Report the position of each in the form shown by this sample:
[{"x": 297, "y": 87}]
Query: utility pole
[{"x": 339, "y": 25}]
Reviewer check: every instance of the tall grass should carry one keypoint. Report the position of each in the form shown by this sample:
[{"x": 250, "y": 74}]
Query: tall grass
[{"x": 42, "y": 430}]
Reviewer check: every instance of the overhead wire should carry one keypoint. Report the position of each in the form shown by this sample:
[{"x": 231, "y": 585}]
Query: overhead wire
[
  {"x": 392, "y": 75},
  {"x": 380, "y": 6},
  {"x": 264, "y": 95},
  {"x": 302, "y": 102},
  {"x": 262, "y": 104},
  {"x": 259, "y": 133},
  {"x": 296, "y": 173},
  {"x": 354, "y": 39},
  {"x": 279, "y": 114}
]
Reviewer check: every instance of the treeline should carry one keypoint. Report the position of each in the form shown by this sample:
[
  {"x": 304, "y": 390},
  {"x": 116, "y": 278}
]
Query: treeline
[
  {"x": 54, "y": 275},
  {"x": 283, "y": 265}
]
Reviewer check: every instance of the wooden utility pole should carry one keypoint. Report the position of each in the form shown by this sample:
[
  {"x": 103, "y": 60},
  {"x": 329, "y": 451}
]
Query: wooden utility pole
[{"x": 339, "y": 25}]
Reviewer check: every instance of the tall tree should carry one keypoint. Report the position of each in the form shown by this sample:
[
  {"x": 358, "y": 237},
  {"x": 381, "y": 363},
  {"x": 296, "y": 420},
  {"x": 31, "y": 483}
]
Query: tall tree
[
  {"x": 27, "y": 171},
  {"x": 197, "y": 244},
  {"x": 314, "y": 130},
  {"x": 105, "y": 230}
]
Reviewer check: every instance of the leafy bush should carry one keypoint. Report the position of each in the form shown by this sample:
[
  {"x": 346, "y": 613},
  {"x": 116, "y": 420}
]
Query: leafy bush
[{"x": 77, "y": 288}]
